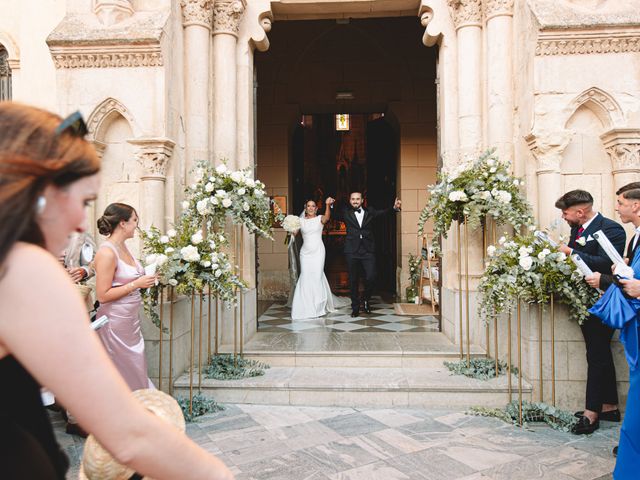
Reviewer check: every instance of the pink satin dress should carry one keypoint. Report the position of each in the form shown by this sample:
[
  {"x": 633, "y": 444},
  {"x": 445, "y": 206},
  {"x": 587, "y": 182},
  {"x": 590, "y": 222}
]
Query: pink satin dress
[{"x": 122, "y": 335}]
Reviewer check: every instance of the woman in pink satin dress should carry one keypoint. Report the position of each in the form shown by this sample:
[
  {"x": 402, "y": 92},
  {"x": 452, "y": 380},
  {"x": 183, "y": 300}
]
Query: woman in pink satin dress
[{"x": 119, "y": 278}]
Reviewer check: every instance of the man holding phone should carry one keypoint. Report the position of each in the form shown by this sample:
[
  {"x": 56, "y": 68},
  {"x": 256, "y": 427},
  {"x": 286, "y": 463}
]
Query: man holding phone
[{"x": 601, "y": 395}]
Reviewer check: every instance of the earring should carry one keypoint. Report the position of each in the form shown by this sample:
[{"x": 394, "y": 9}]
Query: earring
[{"x": 41, "y": 204}]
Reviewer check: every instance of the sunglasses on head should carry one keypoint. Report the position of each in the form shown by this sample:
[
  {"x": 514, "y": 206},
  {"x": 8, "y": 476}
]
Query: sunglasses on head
[{"x": 74, "y": 124}]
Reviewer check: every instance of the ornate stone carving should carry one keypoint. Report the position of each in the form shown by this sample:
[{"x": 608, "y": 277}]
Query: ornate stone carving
[
  {"x": 227, "y": 15},
  {"x": 108, "y": 60},
  {"x": 197, "y": 12},
  {"x": 466, "y": 12},
  {"x": 547, "y": 148},
  {"x": 623, "y": 147},
  {"x": 153, "y": 154},
  {"x": 601, "y": 103},
  {"x": 495, "y": 8},
  {"x": 102, "y": 112},
  {"x": 110, "y": 12},
  {"x": 583, "y": 45}
]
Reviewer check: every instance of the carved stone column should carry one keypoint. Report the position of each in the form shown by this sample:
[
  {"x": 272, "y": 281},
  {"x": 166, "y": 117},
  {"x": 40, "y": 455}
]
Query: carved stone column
[
  {"x": 110, "y": 12},
  {"x": 226, "y": 23},
  {"x": 623, "y": 147},
  {"x": 467, "y": 17},
  {"x": 499, "y": 35},
  {"x": 153, "y": 154},
  {"x": 547, "y": 149},
  {"x": 197, "y": 16}
]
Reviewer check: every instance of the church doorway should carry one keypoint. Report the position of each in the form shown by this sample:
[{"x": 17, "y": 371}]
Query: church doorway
[{"x": 378, "y": 72}]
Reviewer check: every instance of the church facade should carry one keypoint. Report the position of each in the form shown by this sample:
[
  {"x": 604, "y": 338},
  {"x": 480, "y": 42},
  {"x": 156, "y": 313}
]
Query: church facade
[{"x": 553, "y": 85}]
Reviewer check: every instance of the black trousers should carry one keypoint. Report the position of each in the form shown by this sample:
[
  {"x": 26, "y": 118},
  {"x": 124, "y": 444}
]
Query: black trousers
[
  {"x": 601, "y": 372},
  {"x": 355, "y": 262}
]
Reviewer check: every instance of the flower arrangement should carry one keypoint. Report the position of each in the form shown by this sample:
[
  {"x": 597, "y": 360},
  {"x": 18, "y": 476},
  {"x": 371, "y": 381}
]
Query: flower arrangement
[
  {"x": 474, "y": 190},
  {"x": 529, "y": 269},
  {"x": 414, "y": 269},
  {"x": 194, "y": 254},
  {"x": 291, "y": 223}
]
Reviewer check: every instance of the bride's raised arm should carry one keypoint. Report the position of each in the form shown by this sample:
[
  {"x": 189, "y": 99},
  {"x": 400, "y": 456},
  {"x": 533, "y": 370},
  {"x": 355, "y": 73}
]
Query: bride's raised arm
[{"x": 327, "y": 210}]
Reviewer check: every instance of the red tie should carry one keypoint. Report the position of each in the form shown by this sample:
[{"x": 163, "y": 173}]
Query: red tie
[{"x": 580, "y": 230}]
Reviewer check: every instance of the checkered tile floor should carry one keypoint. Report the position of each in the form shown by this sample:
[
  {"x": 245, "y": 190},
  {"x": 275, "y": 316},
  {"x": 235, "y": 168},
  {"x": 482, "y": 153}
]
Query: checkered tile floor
[{"x": 277, "y": 318}]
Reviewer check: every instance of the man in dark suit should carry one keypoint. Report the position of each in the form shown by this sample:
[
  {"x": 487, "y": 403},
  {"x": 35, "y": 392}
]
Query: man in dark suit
[
  {"x": 601, "y": 395},
  {"x": 359, "y": 248}
]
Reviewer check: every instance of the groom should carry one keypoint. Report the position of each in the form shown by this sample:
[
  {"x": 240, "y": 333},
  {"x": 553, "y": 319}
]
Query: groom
[{"x": 359, "y": 248}]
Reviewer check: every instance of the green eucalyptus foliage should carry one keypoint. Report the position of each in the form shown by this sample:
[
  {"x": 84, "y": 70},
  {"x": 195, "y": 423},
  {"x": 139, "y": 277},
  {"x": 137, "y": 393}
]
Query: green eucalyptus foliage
[
  {"x": 226, "y": 367},
  {"x": 480, "y": 368},
  {"x": 532, "y": 412},
  {"x": 200, "y": 405}
]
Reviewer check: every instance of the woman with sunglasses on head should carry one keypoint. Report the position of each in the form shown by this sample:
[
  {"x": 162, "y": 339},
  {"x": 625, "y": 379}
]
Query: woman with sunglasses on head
[
  {"x": 119, "y": 278},
  {"x": 48, "y": 173}
]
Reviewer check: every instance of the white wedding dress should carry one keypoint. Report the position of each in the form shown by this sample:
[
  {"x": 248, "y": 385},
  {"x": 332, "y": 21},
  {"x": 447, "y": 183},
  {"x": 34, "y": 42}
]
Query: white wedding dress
[{"x": 312, "y": 297}]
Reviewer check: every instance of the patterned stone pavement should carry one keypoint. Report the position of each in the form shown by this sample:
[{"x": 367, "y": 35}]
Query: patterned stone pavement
[
  {"x": 322, "y": 443},
  {"x": 382, "y": 319}
]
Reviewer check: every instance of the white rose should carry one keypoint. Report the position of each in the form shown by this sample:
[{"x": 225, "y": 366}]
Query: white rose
[
  {"x": 185, "y": 205},
  {"x": 208, "y": 187},
  {"x": 169, "y": 250},
  {"x": 173, "y": 282},
  {"x": 542, "y": 255},
  {"x": 221, "y": 237},
  {"x": 206, "y": 264},
  {"x": 237, "y": 177},
  {"x": 523, "y": 251},
  {"x": 201, "y": 207},
  {"x": 164, "y": 239},
  {"x": 212, "y": 244},
  {"x": 222, "y": 168},
  {"x": 190, "y": 253},
  {"x": 214, "y": 257},
  {"x": 491, "y": 250},
  {"x": 161, "y": 259},
  {"x": 218, "y": 273},
  {"x": 226, "y": 203},
  {"x": 215, "y": 201},
  {"x": 516, "y": 182},
  {"x": 214, "y": 266},
  {"x": 245, "y": 206},
  {"x": 561, "y": 257},
  {"x": 501, "y": 240},
  {"x": 221, "y": 193},
  {"x": 526, "y": 263},
  {"x": 172, "y": 233},
  {"x": 150, "y": 259},
  {"x": 493, "y": 169},
  {"x": 457, "y": 196},
  {"x": 250, "y": 182},
  {"x": 241, "y": 191},
  {"x": 258, "y": 193},
  {"x": 196, "y": 238}
]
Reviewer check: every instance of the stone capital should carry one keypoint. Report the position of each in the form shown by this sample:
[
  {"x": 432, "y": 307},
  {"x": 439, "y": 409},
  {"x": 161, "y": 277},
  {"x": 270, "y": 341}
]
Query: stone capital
[
  {"x": 547, "y": 148},
  {"x": 153, "y": 154},
  {"x": 197, "y": 12},
  {"x": 110, "y": 12},
  {"x": 623, "y": 147},
  {"x": 99, "y": 147},
  {"x": 227, "y": 15},
  {"x": 466, "y": 13},
  {"x": 497, "y": 8}
]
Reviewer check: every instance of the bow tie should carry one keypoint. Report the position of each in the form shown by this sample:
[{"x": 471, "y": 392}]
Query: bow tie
[{"x": 357, "y": 210}]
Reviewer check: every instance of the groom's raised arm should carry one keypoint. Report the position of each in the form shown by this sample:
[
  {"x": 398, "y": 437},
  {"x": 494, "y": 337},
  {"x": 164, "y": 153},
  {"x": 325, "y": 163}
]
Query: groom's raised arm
[{"x": 395, "y": 209}]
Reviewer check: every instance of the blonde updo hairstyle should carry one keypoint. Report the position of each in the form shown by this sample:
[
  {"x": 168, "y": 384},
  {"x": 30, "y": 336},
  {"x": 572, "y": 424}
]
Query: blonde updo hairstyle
[{"x": 112, "y": 216}]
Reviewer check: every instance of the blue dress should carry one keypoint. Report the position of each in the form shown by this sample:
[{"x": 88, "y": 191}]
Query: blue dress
[{"x": 618, "y": 311}]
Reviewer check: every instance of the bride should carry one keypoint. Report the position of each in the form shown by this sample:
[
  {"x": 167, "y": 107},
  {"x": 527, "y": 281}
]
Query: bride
[{"x": 312, "y": 297}]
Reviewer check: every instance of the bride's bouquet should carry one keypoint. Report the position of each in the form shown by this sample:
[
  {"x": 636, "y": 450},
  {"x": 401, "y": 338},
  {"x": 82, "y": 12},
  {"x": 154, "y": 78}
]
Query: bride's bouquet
[{"x": 291, "y": 224}]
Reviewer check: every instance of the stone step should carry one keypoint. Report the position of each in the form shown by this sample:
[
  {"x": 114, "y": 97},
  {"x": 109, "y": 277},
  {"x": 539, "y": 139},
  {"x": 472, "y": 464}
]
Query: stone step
[
  {"x": 392, "y": 350},
  {"x": 358, "y": 387}
]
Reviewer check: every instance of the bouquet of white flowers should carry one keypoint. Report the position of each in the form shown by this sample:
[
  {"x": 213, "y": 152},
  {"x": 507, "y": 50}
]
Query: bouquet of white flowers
[{"x": 291, "y": 223}]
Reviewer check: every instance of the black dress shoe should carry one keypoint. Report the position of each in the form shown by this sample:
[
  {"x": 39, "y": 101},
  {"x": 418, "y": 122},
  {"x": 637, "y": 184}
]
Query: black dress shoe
[
  {"x": 610, "y": 416},
  {"x": 585, "y": 427},
  {"x": 615, "y": 451},
  {"x": 366, "y": 306},
  {"x": 355, "y": 313}
]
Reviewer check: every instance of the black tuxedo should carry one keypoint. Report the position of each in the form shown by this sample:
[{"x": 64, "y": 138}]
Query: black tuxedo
[
  {"x": 601, "y": 373},
  {"x": 359, "y": 250}
]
